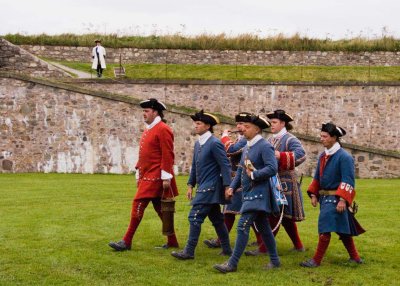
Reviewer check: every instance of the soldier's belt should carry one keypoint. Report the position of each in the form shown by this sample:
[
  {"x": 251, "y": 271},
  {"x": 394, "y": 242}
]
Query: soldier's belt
[{"x": 327, "y": 192}]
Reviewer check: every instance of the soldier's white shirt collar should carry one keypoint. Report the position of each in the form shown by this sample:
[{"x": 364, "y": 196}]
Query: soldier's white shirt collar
[
  {"x": 154, "y": 123},
  {"x": 280, "y": 133},
  {"x": 253, "y": 141},
  {"x": 204, "y": 137},
  {"x": 333, "y": 149}
]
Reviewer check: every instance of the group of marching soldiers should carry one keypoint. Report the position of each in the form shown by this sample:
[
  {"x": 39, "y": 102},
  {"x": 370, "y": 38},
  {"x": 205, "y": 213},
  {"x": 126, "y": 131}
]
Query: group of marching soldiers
[{"x": 237, "y": 173}]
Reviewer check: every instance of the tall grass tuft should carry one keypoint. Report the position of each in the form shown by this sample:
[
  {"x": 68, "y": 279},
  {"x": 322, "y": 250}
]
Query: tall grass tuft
[{"x": 213, "y": 42}]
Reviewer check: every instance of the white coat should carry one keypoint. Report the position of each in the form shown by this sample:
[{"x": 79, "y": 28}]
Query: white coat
[{"x": 102, "y": 53}]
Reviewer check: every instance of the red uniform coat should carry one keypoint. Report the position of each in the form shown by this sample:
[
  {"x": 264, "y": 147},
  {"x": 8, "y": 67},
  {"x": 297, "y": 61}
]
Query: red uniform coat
[{"x": 156, "y": 153}]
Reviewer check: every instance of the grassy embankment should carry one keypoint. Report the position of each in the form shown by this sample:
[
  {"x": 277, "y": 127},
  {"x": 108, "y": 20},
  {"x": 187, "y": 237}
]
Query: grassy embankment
[
  {"x": 266, "y": 73},
  {"x": 223, "y": 42}
]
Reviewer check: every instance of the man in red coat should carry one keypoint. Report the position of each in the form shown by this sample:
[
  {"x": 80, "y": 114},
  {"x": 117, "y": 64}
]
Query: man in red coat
[{"x": 154, "y": 171}]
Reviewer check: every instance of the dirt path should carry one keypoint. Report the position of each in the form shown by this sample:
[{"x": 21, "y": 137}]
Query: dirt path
[{"x": 79, "y": 74}]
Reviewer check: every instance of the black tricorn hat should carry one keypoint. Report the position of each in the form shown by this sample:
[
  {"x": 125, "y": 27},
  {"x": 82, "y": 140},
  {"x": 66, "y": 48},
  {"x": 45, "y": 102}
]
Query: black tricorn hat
[
  {"x": 153, "y": 103},
  {"x": 280, "y": 114},
  {"x": 97, "y": 41},
  {"x": 242, "y": 116},
  {"x": 333, "y": 130},
  {"x": 261, "y": 122},
  {"x": 207, "y": 118}
]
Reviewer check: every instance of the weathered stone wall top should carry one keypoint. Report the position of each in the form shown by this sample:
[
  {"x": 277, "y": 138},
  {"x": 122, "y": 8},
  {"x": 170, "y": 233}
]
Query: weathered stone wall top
[
  {"x": 17, "y": 60},
  {"x": 229, "y": 57},
  {"x": 48, "y": 129}
]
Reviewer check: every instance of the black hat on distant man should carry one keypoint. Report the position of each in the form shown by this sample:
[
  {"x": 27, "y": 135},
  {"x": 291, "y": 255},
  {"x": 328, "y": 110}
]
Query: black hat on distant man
[
  {"x": 97, "y": 41},
  {"x": 281, "y": 115},
  {"x": 242, "y": 116},
  {"x": 154, "y": 104},
  {"x": 333, "y": 130},
  {"x": 261, "y": 122},
  {"x": 207, "y": 118}
]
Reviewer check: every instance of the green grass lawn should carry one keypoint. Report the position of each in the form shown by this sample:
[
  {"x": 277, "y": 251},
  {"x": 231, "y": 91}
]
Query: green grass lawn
[
  {"x": 267, "y": 73},
  {"x": 54, "y": 229}
]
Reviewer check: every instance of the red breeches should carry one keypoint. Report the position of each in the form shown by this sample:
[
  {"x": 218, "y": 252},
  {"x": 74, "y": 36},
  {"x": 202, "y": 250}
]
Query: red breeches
[
  {"x": 290, "y": 228},
  {"x": 229, "y": 220},
  {"x": 323, "y": 243},
  {"x": 137, "y": 212},
  {"x": 348, "y": 242}
]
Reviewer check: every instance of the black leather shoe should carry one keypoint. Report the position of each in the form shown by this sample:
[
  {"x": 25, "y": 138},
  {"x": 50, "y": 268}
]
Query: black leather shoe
[
  {"x": 212, "y": 243},
  {"x": 119, "y": 246},
  {"x": 359, "y": 261},
  {"x": 310, "y": 263},
  {"x": 225, "y": 268},
  {"x": 182, "y": 255},
  {"x": 254, "y": 252},
  {"x": 272, "y": 266}
]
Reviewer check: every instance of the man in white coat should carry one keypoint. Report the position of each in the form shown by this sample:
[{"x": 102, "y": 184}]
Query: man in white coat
[{"x": 98, "y": 55}]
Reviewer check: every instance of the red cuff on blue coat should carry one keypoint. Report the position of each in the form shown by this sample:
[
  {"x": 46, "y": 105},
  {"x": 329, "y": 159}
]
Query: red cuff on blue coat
[
  {"x": 227, "y": 142},
  {"x": 314, "y": 187},
  {"x": 346, "y": 191}
]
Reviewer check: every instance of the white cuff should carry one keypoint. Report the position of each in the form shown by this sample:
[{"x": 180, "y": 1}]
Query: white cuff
[
  {"x": 137, "y": 174},
  {"x": 252, "y": 175},
  {"x": 165, "y": 175}
]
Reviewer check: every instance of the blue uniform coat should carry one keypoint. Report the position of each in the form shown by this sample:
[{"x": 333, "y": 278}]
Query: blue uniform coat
[
  {"x": 234, "y": 152},
  {"x": 257, "y": 194},
  {"x": 339, "y": 169},
  {"x": 211, "y": 172}
]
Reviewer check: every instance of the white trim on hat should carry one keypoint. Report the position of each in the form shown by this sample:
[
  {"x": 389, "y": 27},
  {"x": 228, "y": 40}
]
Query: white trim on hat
[
  {"x": 148, "y": 100},
  {"x": 162, "y": 104},
  {"x": 265, "y": 121},
  {"x": 340, "y": 130}
]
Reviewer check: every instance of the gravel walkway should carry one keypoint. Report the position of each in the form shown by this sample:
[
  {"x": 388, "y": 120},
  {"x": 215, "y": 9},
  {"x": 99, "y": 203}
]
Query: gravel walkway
[{"x": 79, "y": 74}]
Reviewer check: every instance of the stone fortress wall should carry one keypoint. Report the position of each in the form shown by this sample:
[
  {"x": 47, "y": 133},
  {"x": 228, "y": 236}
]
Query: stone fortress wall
[
  {"x": 17, "y": 60},
  {"x": 232, "y": 57},
  {"x": 45, "y": 127},
  {"x": 77, "y": 127},
  {"x": 368, "y": 112}
]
